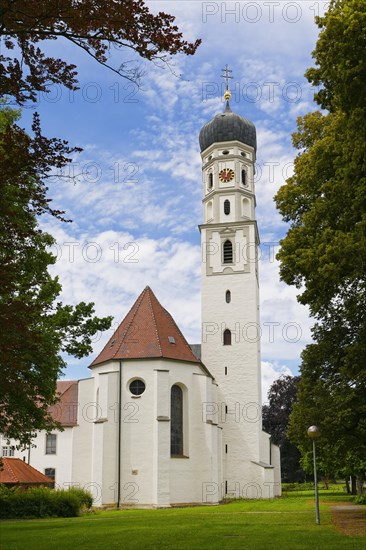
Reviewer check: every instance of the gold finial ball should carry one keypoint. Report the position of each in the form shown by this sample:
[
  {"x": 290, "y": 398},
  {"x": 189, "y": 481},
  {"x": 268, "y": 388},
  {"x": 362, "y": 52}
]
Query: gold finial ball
[{"x": 227, "y": 95}]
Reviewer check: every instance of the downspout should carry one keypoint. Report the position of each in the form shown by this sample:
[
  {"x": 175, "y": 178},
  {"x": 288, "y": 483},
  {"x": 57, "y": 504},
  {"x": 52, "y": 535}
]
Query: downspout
[
  {"x": 119, "y": 437},
  {"x": 270, "y": 450}
]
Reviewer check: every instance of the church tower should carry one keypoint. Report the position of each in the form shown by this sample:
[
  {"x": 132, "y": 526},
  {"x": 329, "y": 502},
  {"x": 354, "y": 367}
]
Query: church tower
[{"x": 230, "y": 299}]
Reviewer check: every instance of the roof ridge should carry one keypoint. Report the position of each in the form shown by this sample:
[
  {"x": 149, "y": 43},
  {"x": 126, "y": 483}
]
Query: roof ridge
[
  {"x": 154, "y": 318},
  {"x": 156, "y": 324},
  {"x": 137, "y": 304},
  {"x": 11, "y": 469}
]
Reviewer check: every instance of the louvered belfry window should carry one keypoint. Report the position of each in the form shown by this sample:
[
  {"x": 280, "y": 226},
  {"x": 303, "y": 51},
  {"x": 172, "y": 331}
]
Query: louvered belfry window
[
  {"x": 243, "y": 177},
  {"x": 228, "y": 252},
  {"x": 227, "y": 207},
  {"x": 176, "y": 421}
]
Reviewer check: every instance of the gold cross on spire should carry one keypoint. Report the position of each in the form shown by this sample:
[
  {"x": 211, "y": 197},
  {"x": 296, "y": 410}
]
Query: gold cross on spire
[{"x": 227, "y": 75}]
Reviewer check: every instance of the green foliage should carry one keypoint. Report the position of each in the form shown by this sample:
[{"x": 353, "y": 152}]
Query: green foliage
[
  {"x": 42, "y": 502},
  {"x": 324, "y": 251},
  {"x": 84, "y": 497},
  {"x": 340, "y": 56},
  {"x": 360, "y": 499}
]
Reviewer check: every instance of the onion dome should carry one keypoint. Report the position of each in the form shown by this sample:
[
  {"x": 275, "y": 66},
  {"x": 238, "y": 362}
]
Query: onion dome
[{"x": 228, "y": 126}]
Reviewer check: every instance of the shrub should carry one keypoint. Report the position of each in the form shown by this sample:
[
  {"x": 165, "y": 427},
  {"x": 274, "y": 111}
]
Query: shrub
[
  {"x": 84, "y": 497},
  {"x": 360, "y": 499},
  {"x": 41, "y": 502}
]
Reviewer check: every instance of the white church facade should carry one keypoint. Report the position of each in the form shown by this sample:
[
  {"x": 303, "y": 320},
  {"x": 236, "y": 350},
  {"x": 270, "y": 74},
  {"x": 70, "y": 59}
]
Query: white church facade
[{"x": 160, "y": 422}]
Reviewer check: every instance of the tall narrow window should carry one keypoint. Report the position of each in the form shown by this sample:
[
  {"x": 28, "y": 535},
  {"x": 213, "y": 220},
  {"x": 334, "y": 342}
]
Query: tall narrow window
[
  {"x": 227, "y": 207},
  {"x": 51, "y": 444},
  {"x": 243, "y": 177},
  {"x": 176, "y": 421},
  {"x": 210, "y": 180},
  {"x": 228, "y": 252},
  {"x": 228, "y": 296},
  {"x": 227, "y": 337}
]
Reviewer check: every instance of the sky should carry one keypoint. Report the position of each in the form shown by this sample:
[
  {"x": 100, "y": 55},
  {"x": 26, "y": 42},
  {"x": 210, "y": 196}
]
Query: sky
[{"x": 136, "y": 200}]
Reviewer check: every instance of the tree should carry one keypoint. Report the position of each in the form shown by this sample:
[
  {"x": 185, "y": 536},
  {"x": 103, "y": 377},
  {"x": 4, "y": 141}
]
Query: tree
[
  {"x": 34, "y": 328},
  {"x": 96, "y": 27},
  {"x": 281, "y": 396},
  {"x": 324, "y": 251}
]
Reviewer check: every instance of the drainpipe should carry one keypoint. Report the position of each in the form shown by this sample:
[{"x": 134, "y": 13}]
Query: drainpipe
[
  {"x": 119, "y": 437},
  {"x": 270, "y": 451}
]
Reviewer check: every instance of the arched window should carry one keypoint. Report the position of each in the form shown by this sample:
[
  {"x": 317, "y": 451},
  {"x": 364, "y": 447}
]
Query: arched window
[
  {"x": 228, "y": 252},
  {"x": 210, "y": 180},
  {"x": 227, "y": 337},
  {"x": 176, "y": 421},
  {"x": 243, "y": 177},
  {"x": 228, "y": 296},
  {"x": 227, "y": 207}
]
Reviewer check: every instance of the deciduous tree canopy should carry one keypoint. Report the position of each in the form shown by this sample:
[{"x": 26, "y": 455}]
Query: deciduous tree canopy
[{"x": 324, "y": 251}]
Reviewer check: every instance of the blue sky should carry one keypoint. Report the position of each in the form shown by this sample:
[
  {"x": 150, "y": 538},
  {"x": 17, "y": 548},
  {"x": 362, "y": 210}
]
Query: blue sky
[{"x": 136, "y": 203}]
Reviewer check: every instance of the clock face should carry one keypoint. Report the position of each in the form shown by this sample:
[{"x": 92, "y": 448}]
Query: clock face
[{"x": 227, "y": 174}]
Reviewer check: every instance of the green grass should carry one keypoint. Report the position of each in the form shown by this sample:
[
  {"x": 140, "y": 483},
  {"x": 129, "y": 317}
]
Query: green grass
[{"x": 288, "y": 522}]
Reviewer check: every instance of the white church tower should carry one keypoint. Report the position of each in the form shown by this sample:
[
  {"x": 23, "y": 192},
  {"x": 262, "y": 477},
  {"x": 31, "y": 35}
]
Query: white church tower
[{"x": 230, "y": 302}]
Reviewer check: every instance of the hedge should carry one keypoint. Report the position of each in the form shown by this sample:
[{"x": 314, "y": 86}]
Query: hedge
[{"x": 42, "y": 502}]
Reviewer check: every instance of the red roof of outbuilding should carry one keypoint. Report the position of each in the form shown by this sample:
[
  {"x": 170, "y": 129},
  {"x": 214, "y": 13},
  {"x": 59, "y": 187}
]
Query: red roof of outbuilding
[
  {"x": 66, "y": 410},
  {"x": 14, "y": 471},
  {"x": 147, "y": 331}
]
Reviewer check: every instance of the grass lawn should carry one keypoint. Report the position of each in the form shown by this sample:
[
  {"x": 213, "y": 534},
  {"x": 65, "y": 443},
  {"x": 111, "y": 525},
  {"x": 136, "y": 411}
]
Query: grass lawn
[{"x": 288, "y": 522}]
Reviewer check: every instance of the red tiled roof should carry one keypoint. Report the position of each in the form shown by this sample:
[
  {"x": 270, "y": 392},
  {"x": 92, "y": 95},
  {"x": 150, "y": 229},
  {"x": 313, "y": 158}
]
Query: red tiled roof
[
  {"x": 144, "y": 333},
  {"x": 65, "y": 411},
  {"x": 14, "y": 471}
]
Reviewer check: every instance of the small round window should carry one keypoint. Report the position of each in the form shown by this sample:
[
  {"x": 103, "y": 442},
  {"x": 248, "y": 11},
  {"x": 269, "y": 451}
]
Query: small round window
[{"x": 137, "y": 387}]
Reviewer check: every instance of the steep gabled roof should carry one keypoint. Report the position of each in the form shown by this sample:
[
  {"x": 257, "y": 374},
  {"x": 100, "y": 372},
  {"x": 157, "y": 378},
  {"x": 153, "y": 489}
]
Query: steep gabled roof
[
  {"x": 147, "y": 331},
  {"x": 65, "y": 411},
  {"x": 15, "y": 471}
]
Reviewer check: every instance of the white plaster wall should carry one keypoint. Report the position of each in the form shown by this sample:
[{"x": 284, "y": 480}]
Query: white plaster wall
[
  {"x": 149, "y": 476},
  {"x": 239, "y": 391},
  {"x": 82, "y": 447},
  {"x": 276, "y": 461},
  {"x": 265, "y": 442}
]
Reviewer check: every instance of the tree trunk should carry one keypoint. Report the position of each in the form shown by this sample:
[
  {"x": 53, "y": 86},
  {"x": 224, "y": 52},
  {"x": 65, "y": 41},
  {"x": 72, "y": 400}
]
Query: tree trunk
[
  {"x": 359, "y": 485},
  {"x": 347, "y": 486},
  {"x": 353, "y": 485}
]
